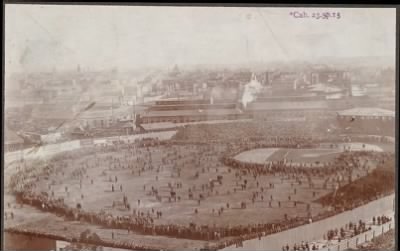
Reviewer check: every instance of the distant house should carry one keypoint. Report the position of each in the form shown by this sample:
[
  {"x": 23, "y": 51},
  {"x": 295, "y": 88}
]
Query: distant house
[
  {"x": 326, "y": 76},
  {"x": 240, "y": 77},
  {"x": 130, "y": 91},
  {"x": 130, "y": 94}
]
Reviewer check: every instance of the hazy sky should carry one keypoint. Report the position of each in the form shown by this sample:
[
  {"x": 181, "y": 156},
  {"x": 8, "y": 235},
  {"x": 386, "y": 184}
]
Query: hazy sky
[{"x": 40, "y": 37}]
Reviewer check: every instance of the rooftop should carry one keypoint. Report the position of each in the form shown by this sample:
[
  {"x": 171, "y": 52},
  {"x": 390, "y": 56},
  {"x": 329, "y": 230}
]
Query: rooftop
[
  {"x": 158, "y": 126},
  {"x": 199, "y": 112},
  {"x": 289, "y": 105},
  {"x": 325, "y": 88},
  {"x": 170, "y": 125},
  {"x": 107, "y": 112},
  {"x": 365, "y": 111}
]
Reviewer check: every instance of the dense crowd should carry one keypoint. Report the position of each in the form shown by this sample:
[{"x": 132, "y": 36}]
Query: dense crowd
[
  {"x": 236, "y": 137},
  {"x": 144, "y": 224},
  {"x": 338, "y": 173},
  {"x": 229, "y": 132},
  {"x": 378, "y": 182}
]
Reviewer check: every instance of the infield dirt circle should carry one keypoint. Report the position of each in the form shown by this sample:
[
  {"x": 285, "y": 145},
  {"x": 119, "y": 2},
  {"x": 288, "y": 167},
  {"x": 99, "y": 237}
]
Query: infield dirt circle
[{"x": 324, "y": 153}]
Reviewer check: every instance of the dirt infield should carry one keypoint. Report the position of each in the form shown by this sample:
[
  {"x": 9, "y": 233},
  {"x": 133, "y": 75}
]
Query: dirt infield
[
  {"x": 325, "y": 153},
  {"x": 264, "y": 155},
  {"x": 257, "y": 155}
]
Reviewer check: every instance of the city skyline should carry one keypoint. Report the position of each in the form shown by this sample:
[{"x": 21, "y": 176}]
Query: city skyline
[{"x": 43, "y": 37}]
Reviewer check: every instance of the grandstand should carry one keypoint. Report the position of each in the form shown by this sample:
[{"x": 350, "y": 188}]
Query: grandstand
[
  {"x": 374, "y": 121},
  {"x": 184, "y": 111}
]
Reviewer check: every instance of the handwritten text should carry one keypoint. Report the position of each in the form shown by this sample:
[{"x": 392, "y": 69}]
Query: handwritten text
[{"x": 315, "y": 15}]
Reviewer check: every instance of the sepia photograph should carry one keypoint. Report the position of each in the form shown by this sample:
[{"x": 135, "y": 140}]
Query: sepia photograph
[{"x": 232, "y": 128}]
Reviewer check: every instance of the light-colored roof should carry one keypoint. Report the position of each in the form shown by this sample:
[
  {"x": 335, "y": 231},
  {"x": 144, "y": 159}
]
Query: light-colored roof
[
  {"x": 211, "y": 112},
  {"x": 170, "y": 125},
  {"x": 128, "y": 125},
  {"x": 130, "y": 90},
  {"x": 161, "y": 125},
  {"x": 325, "y": 88},
  {"x": 107, "y": 113},
  {"x": 287, "y": 105},
  {"x": 365, "y": 111}
]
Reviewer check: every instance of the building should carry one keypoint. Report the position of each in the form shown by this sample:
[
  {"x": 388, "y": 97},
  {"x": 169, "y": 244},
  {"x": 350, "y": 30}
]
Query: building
[
  {"x": 373, "y": 121},
  {"x": 130, "y": 94},
  {"x": 266, "y": 78},
  {"x": 105, "y": 118},
  {"x": 184, "y": 111},
  {"x": 290, "y": 104},
  {"x": 328, "y": 76},
  {"x": 185, "y": 116}
]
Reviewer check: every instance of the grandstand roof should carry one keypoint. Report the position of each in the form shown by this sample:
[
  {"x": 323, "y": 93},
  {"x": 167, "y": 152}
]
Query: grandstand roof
[
  {"x": 170, "y": 125},
  {"x": 287, "y": 105},
  {"x": 364, "y": 111},
  {"x": 106, "y": 113},
  {"x": 161, "y": 125},
  {"x": 212, "y": 112}
]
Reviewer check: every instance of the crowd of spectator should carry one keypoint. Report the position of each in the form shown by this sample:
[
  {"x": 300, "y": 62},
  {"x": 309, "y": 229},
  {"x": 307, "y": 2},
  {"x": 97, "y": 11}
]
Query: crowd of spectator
[{"x": 237, "y": 137}]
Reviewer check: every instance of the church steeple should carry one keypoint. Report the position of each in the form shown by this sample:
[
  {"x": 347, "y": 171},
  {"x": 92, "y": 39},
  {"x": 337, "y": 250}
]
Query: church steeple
[{"x": 175, "y": 71}]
